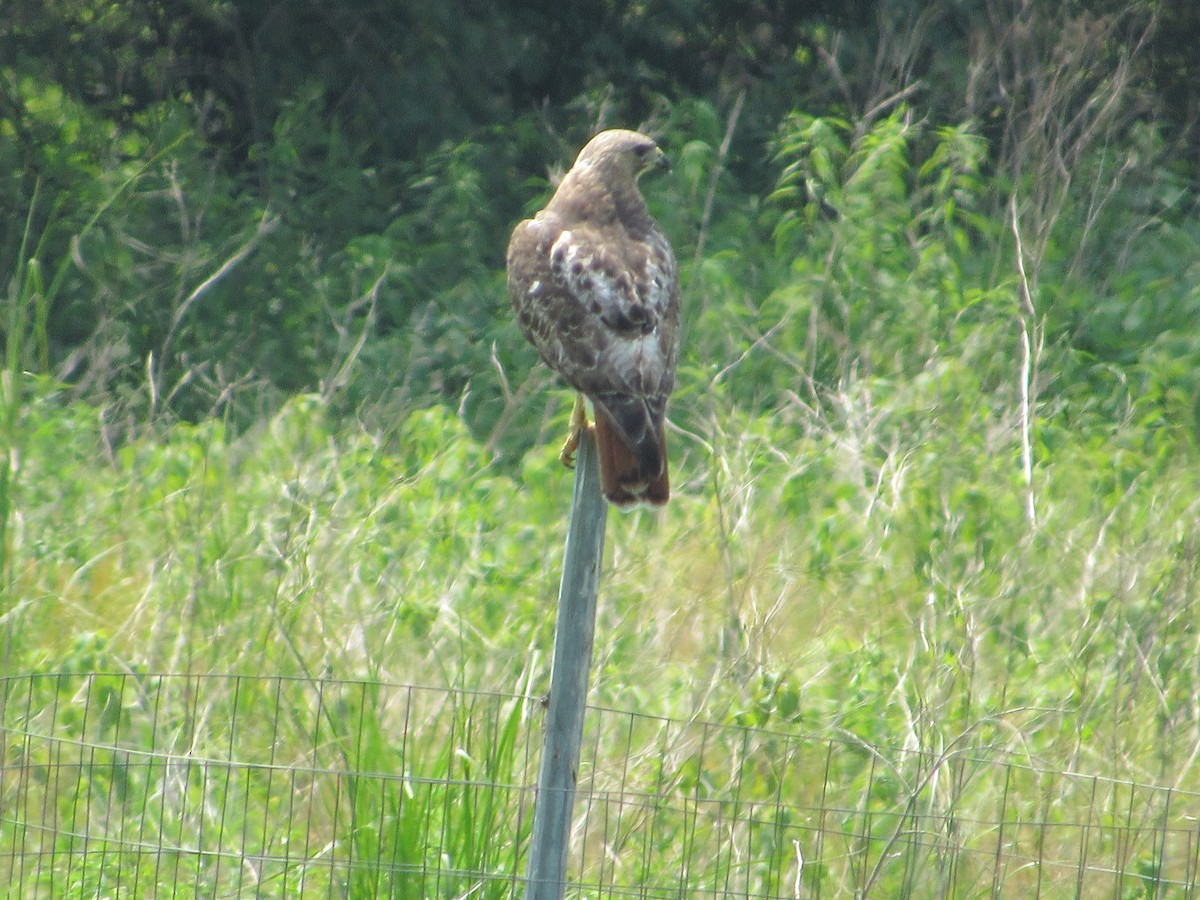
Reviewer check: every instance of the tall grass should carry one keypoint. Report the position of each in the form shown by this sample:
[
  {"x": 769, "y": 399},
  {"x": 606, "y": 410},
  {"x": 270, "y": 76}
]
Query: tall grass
[
  {"x": 891, "y": 594},
  {"x": 919, "y": 621},
  {"x": 26, "y": 306}
]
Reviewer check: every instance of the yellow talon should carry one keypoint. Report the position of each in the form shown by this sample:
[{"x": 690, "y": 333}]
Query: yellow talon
[{"x": 579, "y": 424}]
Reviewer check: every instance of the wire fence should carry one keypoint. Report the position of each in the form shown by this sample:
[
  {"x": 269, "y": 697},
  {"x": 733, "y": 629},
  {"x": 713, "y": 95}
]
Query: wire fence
[{"x": 139, "y": 785}]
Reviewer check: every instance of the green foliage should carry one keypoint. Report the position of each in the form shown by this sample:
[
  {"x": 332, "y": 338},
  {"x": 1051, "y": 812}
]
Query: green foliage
[
  {"x": 265, "y": 409},
  {"x": 884, "y": 583},
  {"x": 233, "y": 223},
  {"x": 881, "y": 246}
]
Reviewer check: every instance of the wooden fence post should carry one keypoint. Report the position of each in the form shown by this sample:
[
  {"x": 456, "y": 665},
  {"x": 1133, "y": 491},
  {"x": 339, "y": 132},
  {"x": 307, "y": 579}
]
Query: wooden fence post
[{"x": 573, "y": 636}]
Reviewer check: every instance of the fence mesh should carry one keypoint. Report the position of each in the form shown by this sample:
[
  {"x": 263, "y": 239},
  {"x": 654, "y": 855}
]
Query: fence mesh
[{"x": 137, "y": 785}]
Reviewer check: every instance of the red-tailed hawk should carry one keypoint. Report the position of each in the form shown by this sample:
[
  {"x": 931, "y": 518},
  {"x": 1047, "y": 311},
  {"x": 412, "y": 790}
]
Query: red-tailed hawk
[{"x": 596, "y": 290}]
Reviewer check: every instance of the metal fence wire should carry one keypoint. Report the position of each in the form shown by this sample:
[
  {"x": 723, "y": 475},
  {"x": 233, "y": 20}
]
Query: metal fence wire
[{"x": 136, "y": 785}]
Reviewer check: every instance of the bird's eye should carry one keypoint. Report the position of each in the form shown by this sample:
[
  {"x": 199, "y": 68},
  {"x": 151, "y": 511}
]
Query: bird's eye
[{"x": 643, "y": 149}]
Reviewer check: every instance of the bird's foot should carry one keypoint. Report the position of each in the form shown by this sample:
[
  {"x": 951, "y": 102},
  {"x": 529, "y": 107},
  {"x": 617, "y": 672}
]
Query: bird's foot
[{"x": 579, "y": 424}]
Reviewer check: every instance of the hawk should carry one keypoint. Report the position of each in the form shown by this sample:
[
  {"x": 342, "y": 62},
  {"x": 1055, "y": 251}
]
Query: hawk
[{"x": 595, "y": 287}]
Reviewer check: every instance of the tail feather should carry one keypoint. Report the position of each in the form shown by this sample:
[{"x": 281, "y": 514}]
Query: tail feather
[
  {"x": 630, "y": 475},
  {"x": 638, "y": 421}
]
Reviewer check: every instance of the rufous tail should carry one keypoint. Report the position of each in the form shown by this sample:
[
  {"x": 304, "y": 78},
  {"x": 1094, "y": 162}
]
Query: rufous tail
[{"x": 626, "y": 477}]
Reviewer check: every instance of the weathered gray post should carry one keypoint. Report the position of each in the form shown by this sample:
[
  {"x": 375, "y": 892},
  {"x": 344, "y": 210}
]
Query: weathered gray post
[{"x": 573, "y": 636}]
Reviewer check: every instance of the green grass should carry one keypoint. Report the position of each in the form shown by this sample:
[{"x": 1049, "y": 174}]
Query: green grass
[
  {"x": 920, "y": 619},
  {"x": 844, "y": 637}
]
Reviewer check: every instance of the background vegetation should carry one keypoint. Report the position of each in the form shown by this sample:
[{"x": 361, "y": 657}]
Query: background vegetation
[{"x": 935, "y": 431}]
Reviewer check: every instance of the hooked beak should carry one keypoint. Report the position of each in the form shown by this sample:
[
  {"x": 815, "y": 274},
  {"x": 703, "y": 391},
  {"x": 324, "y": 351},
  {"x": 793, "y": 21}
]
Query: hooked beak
[{"x": 661, "y": 160}]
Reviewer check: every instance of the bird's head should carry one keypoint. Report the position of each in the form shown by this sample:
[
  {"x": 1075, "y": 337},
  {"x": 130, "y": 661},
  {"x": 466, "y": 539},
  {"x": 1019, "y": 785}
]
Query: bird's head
[{"x": 622, "y": 154}]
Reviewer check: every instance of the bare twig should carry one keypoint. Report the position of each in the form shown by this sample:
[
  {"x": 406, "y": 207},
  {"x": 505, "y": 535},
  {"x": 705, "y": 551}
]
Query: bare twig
[
  {"x": 864, "y": 123},
  {"x": 268, "y": 223},
  {"x": 1066, "y": 98},
  {"x": 537, "y": 379},
  {"x": 835, "y": 69},
  {"x": 731, "y": 633},
  {"x": 1028, "y": 374},
  {"x": 718, "y": 167},
  {"x": 371, "y": 297}
]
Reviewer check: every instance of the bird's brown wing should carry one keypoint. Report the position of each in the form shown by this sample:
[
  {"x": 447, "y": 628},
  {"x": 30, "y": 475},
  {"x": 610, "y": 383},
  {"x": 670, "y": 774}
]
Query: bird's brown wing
[{"x": 602, "y": 309}]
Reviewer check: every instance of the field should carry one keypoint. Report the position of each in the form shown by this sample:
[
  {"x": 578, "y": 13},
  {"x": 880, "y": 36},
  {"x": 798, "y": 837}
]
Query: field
[
  {"x": 846, "y": 641},
  {"x": 281, "y": 517}
]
